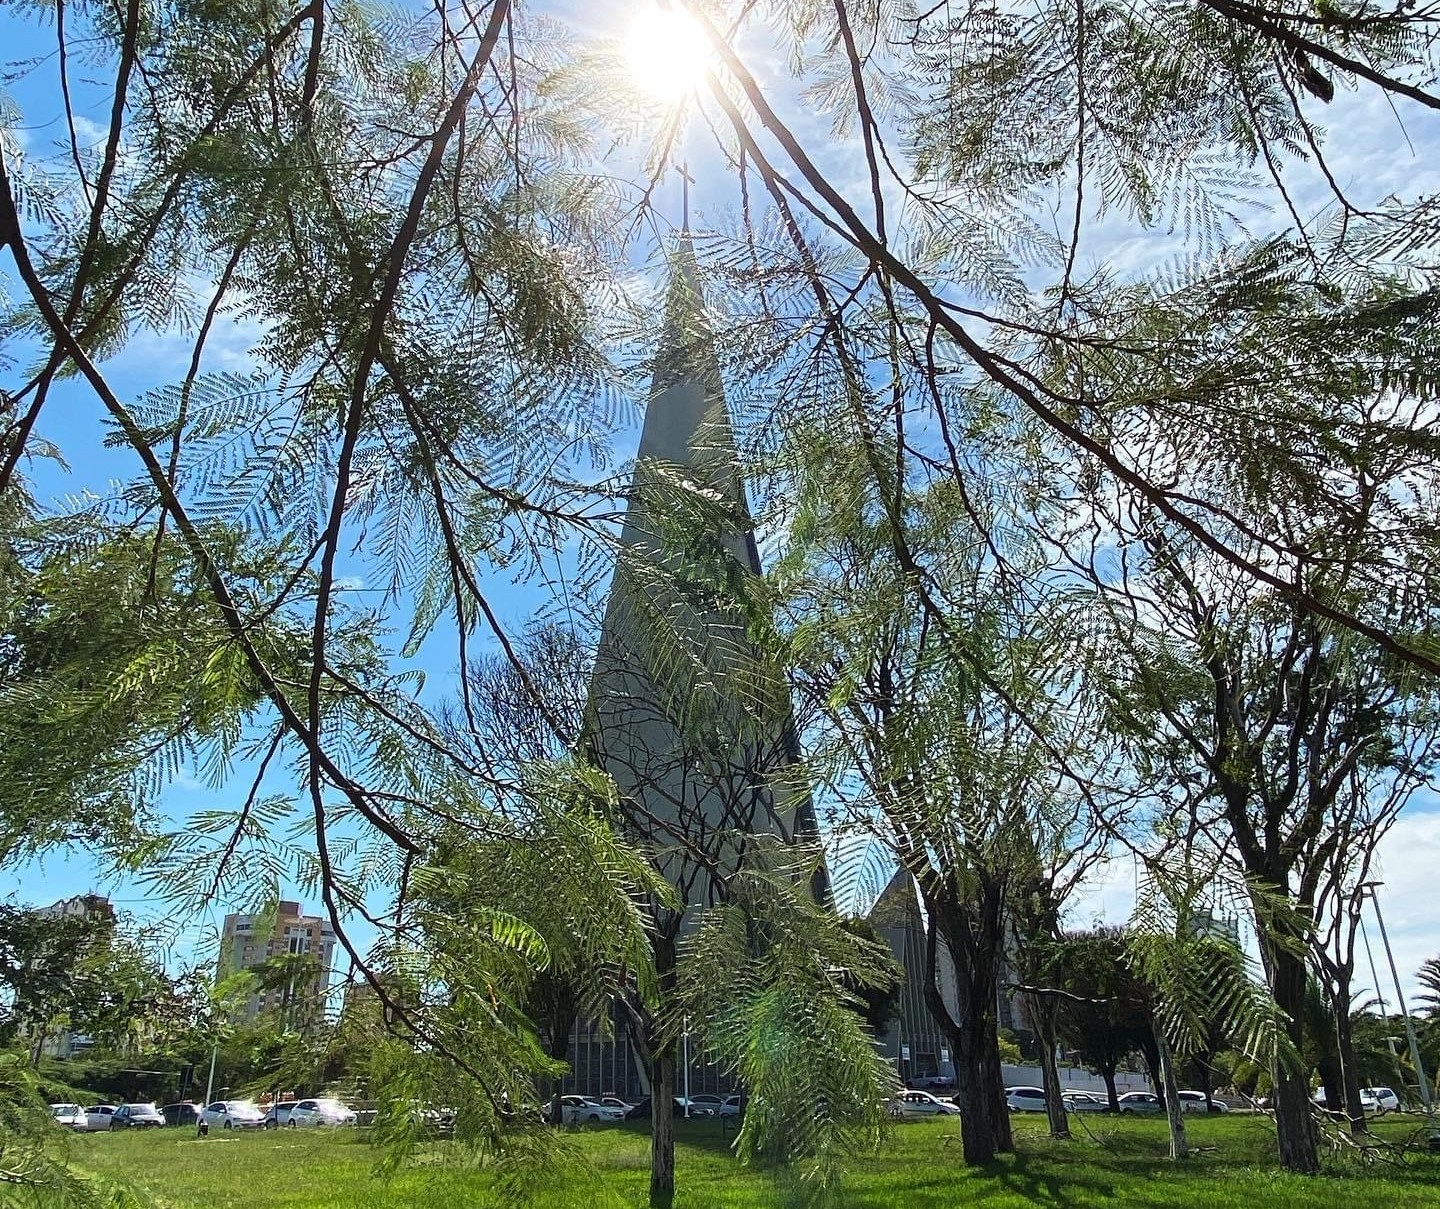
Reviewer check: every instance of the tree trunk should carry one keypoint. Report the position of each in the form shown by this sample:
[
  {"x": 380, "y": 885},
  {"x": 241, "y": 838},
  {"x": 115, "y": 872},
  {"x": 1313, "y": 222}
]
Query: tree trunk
[
  {"x": 972, "y": 933},
  {"x": 1332, "y": 1079},
  {"x": 1349, "y": 1070},
  {"x": 1107, "y": 1072},
  {"x": 662, "y": 1127},
  {"x": 999, "y": 1108},
  {"x": 559, "y": 1027},
  {"x": 972, "y": 1094},
  {"x": 1174, "y": 1114},
  {"x": 1042, "y": 1013},
  {"x": 1294, "y": 1129}
]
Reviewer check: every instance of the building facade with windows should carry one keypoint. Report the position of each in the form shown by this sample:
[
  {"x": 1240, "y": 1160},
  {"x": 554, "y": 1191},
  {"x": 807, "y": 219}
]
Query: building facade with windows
[{"x": 290, "y": 951}]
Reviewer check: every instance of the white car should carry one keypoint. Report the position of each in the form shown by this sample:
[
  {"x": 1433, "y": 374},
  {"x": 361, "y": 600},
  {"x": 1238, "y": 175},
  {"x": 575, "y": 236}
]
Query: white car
[
  {"x": 1084, "y": 1101},
  {"x": 575, "y": 1109},
  {"x": 1025, "y": 1099},
  {"x": 97, "y": 1117},
  {"x": 320, "y": 1112},
  {"x": 233, "y": 1114},
  {"x": 71, "y": 1116},
  {"x": 1379, "y": 1099},
  {"x": 914, "y": 1103},
  {"x": 616, "y": 1102},
  {"x": 1194, "y": 1101},
  {"x": 278, "y": 1114},
  {"x": 1144, "y": 1102}
]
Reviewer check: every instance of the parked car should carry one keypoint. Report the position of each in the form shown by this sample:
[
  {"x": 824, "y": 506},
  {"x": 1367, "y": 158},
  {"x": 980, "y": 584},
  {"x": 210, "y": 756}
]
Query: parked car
[
  {"x": 71, "y": 1116},
  {"x": 1084, "y": 1101},
  {"x": 1194, "y": 1101},
  {"x": 732, "y": 1106},
  {"x": 697, "y": 1106},
  {"x": 1145, "y": 1102},
  {"x": 184, "y": 1113},
  {"x": 233, "y": 1114},
  {"x": 575, "y": 1109},
  {"x": 97, "y": 1117},
  {"x": 942, "y": 1081},
  {"x": 641, "y": 1111},
  {"x": 323, "y": 1111},
  {"x": 278, "y": 1114},
  {"x": 915, "y": 1103},
  {"x": 1025, "y": 1099},
  {"x": 1383, "y": 1099},
  {"x": 137, "y": 1116},
  {"x": 616, "y": 1102},
  {"x": 713, "y": 1106}
]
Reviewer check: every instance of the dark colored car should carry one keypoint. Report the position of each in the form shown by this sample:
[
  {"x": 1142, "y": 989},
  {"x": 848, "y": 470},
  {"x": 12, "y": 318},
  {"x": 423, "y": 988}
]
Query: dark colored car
[
  {"x": 641, "y": 1111},
  {"x": 137, "y": 1116},
  {"x": 181, "y": 1114}
]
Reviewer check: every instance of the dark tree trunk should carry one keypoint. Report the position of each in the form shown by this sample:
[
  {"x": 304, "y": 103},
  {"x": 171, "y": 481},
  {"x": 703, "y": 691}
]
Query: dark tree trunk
[
  {"x": 1345, "y": 1044},
  {"x": 662, "y": 1128},
  {"x": 558, "y": 1029},
  {"x": 972, "y": 932},
  {"x": 1294, "y": 1128},
  {"x": 1107, "y": 1072},
  {"x": 1349, "y": 1073},
  {"x": 1043, "y": 1010},
  {"x": 972, "y": 1094},
  {"x": 1205, "y": 1076},
  {"x": 1151, "y": 1053},
  {"x": 999, "y": 1109},
  {"x": 1333, "y": 1081}
]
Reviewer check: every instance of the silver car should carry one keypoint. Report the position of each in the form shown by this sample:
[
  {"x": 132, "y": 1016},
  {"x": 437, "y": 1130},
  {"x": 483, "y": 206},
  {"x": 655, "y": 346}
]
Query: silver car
[
  {"x": 913, "y": 1103},
  {"x": 320, "y": 1112},
  {"x": 97, "y": 1117},
  {"x": 1144, "y": 1102},
  {"x": 233, "y": 1114}
]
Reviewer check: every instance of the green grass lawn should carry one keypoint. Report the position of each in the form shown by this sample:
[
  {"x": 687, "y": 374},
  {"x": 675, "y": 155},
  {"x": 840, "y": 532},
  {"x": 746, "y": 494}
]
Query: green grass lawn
[{"x": 1118, "y": 1162}]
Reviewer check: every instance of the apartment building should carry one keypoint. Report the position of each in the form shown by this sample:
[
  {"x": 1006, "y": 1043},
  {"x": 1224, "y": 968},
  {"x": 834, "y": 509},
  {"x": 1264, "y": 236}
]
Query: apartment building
[{"x": 262, "y": 942}]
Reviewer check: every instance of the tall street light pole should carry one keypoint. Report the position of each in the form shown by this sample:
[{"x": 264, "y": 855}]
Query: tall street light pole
[{"x": 1425, "y": 1098}]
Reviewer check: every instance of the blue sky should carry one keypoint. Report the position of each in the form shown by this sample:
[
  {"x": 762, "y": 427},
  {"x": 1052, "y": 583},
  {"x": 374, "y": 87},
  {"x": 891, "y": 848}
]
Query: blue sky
[{"x": 1374, "y": 150}]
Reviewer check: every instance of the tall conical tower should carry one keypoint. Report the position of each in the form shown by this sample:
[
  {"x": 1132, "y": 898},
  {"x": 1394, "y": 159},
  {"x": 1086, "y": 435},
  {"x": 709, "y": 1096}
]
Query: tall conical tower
[{"x": 693, "y": 725}]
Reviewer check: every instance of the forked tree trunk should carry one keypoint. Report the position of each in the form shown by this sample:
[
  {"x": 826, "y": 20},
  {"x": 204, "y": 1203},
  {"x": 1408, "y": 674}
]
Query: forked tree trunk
[{"x": 973, "y": 935}]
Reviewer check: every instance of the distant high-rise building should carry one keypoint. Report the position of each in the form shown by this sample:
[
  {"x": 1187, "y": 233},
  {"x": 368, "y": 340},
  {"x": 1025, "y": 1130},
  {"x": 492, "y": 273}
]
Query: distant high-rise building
[
  {"x": 63, "y": 1043},
  {"x": 255, "y": 942}
]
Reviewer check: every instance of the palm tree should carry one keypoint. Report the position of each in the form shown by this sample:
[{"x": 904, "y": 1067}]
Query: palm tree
[{"x": 1429, "y": 978}]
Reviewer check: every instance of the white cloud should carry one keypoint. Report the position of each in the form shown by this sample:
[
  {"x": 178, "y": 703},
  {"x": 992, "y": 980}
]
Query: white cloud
[{"x": 1408, "y": 862}]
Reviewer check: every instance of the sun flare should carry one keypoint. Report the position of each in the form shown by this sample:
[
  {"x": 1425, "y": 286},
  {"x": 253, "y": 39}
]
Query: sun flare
[{"x": 667, "y": 53}]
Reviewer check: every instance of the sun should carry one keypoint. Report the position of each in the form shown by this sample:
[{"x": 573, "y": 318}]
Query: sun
[{"x": 667, "y": 52}]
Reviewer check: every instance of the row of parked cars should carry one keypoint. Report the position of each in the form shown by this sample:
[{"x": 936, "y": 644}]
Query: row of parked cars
[
  {"x": 575, "y": 1110},
  {"x": 916, "y": 1103},
  {"x": 222, "y": 1114}
]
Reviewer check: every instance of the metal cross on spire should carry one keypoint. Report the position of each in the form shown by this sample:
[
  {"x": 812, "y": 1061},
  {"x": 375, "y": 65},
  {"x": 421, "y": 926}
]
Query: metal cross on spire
[{"x": 686, "y": 180}]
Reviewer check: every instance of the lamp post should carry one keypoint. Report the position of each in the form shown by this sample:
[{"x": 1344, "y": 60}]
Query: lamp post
[{"x": 1425, "y": 1099}]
